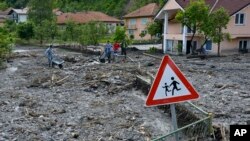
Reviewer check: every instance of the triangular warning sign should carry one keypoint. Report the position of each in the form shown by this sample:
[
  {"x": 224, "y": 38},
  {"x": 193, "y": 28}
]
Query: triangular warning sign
[{"x": 170, "y": 85}]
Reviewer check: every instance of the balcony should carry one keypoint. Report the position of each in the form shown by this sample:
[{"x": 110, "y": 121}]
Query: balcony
[{"x": 131, "y": 27}]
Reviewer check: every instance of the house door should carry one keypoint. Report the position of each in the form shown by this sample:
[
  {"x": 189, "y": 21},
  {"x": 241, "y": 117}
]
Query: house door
[{"x": 188, "y": 51}]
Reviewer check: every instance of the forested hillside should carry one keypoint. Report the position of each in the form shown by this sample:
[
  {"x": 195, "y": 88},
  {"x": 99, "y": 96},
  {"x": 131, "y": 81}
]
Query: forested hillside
[{"x": 115, "y": 8}]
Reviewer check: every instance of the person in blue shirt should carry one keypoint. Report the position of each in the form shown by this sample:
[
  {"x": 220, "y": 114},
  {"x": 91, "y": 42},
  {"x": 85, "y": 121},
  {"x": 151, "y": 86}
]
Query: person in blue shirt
[
  {"x": 49, "y": 53},
  {"x": 108, "y": 50}
]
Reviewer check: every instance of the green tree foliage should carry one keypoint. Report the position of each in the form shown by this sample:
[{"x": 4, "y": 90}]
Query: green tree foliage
[
  {"x": 16, "y": 3},
  {"x": 10, "y": 26},
  {"x": 154, "y": 28},
  {"x": 92, "y": 32},
  {"x": 198, "y": 17},
  {"x": 5, "y": 43},
  {"x": 120, "y": 34},
  {"x": 51, "y": 29},
  {"x": 40, "y": 10},
  {"x": 117, "y": 8},
  {"x": 193, "y": 16},
  {"x": 219, "y": 20},
  {"x": 3, "y": 5},
  {"x": 142, "y": 34},
  {"x": 71, "y": 30},
  {"x": 25, "y": 30},
  {"x": 111, "y": 7}
]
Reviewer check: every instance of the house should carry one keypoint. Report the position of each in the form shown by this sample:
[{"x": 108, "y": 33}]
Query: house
[
  {"x": 88, "y": 16},
  {"x": 175, "y": 34},
  {"x": 136, "y": 22},
  {"x": 18, "y": 15}
]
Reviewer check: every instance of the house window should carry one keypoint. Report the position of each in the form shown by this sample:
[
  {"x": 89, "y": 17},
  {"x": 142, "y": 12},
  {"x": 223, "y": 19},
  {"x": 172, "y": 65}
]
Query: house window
[
  {"x": 242, "y": 45},
  {"x": 240, "y": 18},
  {"x": 132, "y": 22},
  {"x": 144, "y": 21},
  {"x": 209, "y": 45},
  {"x": 170, "y": 44}
]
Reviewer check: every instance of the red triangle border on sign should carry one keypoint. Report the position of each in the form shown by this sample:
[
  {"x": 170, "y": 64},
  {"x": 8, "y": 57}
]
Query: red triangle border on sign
[{"x": 150, "y": 99}]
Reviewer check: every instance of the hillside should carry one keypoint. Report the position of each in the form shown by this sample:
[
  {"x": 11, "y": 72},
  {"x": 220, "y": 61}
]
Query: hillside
[{"x": 116, "y": 8}]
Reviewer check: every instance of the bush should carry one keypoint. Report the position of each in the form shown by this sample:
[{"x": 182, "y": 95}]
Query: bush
[
  {"x": 5, "y": 44},
  {"x": 143, "y": 42},
  {"x": 152, "y": 50}
]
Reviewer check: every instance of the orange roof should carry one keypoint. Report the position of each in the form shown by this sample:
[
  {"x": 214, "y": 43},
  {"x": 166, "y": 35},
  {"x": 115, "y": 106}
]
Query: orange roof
[
  {"x": 85, "y": 17},
  {"x": 149, "y": 10}
]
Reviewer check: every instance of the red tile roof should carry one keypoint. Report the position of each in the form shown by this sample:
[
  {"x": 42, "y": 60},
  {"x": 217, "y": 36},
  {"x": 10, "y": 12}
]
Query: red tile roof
[
  {"x": 85, "y": 17},
  {"x": 232, "y": 6},
  {"x": 149, "y": 10}
]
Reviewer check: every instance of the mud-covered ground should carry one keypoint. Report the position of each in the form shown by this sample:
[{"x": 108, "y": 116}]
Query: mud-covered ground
[
  {"x": 97, "y": 102},
  {"x": 85, "y": 101}
]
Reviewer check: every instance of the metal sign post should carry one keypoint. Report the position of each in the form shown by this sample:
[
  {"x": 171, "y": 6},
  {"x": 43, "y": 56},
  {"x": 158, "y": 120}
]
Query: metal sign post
[{"x": 174, "y": 120}]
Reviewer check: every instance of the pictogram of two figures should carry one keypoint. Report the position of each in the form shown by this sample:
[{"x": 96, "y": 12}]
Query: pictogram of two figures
[{"x": 174, "y": 86}]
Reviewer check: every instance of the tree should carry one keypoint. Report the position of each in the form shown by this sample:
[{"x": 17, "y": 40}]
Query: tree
[
  {"x": 10, "y": 25},
  {"x": 51, "y": 29},
  {"x": 70, "y": 30},
  {"x": 193, "y": 16},
  {"x": 92, "y": 32},
  {"x": 120, "y": 34},
  {"x": 5, "y": 43},
  {"x": 40, "y": 10},
  {"x": 154, "y": 28},
  {"x": 17, "y": 3},
  {"x": 25, "y": 30},
  {"x": 219, "y": 20},
  {"x": 3, "y": 6}
]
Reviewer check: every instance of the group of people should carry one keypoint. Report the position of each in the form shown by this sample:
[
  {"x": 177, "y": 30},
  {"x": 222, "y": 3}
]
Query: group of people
[
  {"x": 110, "y": 51},
  {"x": 114, "y": 49}
]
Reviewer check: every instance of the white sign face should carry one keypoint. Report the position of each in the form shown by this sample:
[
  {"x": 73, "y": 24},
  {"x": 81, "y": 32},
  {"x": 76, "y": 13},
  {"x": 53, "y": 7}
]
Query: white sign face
[{"x": 170, "y": 86}]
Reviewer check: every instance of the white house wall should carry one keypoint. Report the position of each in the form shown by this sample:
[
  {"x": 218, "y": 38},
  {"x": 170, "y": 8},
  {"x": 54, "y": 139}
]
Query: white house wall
[{"x": 22, "y": 18}]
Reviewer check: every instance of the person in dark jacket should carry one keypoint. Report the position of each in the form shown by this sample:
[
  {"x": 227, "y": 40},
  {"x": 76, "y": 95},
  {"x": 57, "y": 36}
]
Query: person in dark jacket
[{"x": 124, "y": 46}]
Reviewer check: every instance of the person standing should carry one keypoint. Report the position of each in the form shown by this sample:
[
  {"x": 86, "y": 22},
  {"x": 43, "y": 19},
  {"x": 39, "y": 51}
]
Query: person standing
[
  {"x": 108, "y": 49},
  {"x": 124, "y": 46},
  {"x": 49, "y": 53},
  {"x": 116, "y": 47}
]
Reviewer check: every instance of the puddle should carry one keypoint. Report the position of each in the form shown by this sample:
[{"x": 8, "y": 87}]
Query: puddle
[
  {"x": 25, "y": 50},
  {"x": 11, "y": 69},
  {"x": 20, "y": 50}
]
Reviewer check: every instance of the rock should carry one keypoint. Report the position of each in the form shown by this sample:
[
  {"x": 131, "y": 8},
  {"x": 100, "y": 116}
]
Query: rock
[
  {"x": 70, "y": 59},
  {"x": 75, "y": 135},
  {"x": 247, "y": 111},
  {"x": 150, "y": 64},
  {"x": 212, "y": 66},
  {"x": 218, "y": 85}
]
